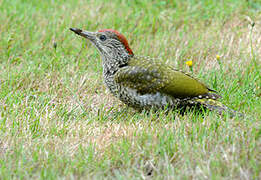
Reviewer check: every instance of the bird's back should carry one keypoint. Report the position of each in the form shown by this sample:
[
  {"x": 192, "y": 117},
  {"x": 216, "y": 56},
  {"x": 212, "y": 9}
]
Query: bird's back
[
  {"x": 147, "y": 82},
  {"x": 169, "y": 80}
]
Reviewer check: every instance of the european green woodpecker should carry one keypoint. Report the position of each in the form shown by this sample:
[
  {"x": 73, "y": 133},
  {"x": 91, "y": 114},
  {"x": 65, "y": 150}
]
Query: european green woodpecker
[{"x": 143, "y": 82}]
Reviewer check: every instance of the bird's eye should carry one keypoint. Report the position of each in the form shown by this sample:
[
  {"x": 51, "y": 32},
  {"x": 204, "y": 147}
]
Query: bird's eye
[{"x": 102, "y": 37}]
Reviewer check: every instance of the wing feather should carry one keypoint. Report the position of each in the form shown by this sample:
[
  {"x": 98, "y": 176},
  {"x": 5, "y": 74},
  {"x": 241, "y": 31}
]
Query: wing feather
[{"x": 150, "y": 77}]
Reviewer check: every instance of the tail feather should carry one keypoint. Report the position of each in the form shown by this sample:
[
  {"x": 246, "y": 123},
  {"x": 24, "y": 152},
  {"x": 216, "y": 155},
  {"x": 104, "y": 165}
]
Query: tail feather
[{"x": 215, "y": 105}]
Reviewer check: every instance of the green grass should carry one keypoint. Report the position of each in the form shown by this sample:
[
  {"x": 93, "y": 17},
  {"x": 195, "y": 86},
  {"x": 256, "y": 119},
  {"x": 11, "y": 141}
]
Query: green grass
[{"x": 57, "y": 120}]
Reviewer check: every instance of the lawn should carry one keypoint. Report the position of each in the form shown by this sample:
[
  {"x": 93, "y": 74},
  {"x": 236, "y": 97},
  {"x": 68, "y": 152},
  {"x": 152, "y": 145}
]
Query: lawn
[{"x": 58, "y": 120}]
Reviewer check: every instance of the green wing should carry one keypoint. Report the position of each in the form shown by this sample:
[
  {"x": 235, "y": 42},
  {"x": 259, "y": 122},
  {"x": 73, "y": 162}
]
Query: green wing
[
  {"x": 149, "y": 77},
  {"x": 141, "y": 79}
]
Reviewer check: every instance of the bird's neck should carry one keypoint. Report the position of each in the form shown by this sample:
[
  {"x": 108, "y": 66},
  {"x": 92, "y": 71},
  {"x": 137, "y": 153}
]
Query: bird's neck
[
  {"x": 111, "y": 64},
  {"x": 110, "y": 67}
]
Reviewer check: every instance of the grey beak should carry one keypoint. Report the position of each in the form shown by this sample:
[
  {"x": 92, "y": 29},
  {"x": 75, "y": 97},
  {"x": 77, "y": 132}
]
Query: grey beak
[{"x": 86, "y": 34}]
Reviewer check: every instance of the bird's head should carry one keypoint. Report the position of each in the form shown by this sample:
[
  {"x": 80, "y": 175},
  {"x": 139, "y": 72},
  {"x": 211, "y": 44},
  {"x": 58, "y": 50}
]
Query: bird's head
[{"x": 110, "y": 43}]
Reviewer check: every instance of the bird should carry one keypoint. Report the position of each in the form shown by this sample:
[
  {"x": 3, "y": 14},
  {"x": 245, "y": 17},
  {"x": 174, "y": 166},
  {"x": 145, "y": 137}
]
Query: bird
[{"x": 147, "y": 83}]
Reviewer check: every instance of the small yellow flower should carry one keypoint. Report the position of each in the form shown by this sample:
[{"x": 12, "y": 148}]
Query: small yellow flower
[
  {"x": 189, "y": 63},
  {"x": 218, "y": 57}
]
